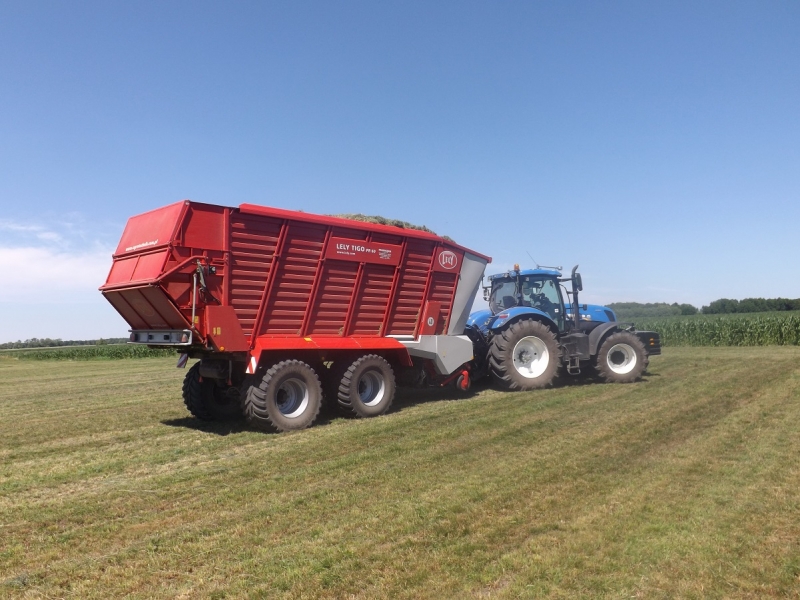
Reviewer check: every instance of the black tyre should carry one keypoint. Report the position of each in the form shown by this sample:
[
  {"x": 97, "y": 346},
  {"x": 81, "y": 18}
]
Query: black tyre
[
  {"x": 287, "y": 398},
  {"x": 621, "y": 358},
  {"x": 367, "y": 386},
  {"x": 210, "y": 399},
  {"x": 524, "y": 356}
]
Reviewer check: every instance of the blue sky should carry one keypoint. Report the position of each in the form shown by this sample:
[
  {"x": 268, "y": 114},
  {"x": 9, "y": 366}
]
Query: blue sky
[{"x": 655, "y": 143}]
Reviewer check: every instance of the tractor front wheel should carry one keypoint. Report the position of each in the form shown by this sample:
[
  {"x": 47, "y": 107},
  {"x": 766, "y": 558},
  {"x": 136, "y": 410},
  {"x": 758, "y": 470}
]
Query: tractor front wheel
[
  {"x": 524, "y": 356},
  {"x": 622, "y": 358}
]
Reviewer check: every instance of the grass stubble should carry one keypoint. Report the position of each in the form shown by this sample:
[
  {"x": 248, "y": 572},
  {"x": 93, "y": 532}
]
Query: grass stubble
[{"x": 682, "y": 485}]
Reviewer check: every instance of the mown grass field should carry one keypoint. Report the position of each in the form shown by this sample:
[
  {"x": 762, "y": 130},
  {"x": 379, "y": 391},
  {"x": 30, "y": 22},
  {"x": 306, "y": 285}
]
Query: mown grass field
[{"x": 683, "y": 485}]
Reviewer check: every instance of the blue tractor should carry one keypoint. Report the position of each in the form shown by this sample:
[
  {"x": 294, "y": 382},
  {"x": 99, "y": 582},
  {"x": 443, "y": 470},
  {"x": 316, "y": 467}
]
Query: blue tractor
[{"x": 529, "y": 333}]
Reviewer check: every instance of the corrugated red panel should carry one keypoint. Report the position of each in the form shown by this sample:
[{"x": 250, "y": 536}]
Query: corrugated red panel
[
  {"x": 294, "y": 277},
  {"x": 334, "y": 297},
  {"x": 411, "y": 285},
  {"x": 441, "y": 290},
  {"x": 253, "y": 241},
  {"x": 371, "y": 300}
]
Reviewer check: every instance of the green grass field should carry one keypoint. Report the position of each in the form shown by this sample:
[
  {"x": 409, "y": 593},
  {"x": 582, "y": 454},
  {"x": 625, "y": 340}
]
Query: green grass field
[{"x": 684, "y": 485}]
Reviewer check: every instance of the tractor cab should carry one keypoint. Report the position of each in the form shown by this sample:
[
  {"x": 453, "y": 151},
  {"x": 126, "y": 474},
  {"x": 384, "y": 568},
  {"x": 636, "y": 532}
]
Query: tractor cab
[
  {"x": 539, "y": 293},
  {"x": 533, "y": 288}
]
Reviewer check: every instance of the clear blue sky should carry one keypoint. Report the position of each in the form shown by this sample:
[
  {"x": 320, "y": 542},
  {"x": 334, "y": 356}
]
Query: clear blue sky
[{"x": 655, "y": 143}]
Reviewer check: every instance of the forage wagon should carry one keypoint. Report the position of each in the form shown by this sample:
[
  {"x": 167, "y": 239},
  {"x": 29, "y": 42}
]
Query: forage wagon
[{"x": 282, "y": 308}]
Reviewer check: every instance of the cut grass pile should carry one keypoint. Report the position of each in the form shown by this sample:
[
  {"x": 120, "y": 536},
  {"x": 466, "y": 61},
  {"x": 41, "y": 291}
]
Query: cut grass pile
[{"x": 683, "y": 485}]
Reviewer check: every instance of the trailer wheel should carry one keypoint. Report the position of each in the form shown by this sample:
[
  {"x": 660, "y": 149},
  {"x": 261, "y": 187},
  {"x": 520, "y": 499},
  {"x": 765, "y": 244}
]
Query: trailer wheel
[
  {"x": 287, "y": 398},
  {"x": 207, "y": 400},
  {"x": 367, "y": 386},
  {"x": 621, "y": 358},
  {"x": 524, "y": 356}
]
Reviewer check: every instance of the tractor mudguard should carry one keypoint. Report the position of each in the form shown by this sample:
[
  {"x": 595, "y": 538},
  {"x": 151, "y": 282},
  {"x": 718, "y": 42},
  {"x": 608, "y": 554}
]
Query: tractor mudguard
[
  {"x": 480, "y": 319},
  {"x": 597, "y": 334},
  {"x": 510, "y": 315}
]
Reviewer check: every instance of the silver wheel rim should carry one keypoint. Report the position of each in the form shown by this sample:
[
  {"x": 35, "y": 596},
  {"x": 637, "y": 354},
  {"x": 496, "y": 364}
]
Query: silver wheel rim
[
  {"x": 371, "y": 388},
  {"x": 621, "y": 359},
  {"x": 292, "y": 397},
  {"x": 531, "y": 357}
]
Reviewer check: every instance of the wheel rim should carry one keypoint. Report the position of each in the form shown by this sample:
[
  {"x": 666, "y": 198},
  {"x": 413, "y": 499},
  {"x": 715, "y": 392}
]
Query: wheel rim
[
  {"x": 371, "y": 388},
  {"x": 621, "y": 359},
  {"x": 292, "y": 398},
  {"x": 531, "y": 357}
]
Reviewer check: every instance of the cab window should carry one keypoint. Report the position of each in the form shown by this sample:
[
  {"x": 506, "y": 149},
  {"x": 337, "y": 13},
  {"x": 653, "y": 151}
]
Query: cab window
[{"x": 503, "y": 296}]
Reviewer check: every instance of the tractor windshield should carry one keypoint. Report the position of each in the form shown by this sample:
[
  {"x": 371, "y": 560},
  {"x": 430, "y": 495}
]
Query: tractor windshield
[
  {"x": 534, "y": 291},
  {"x": 504, "y": 295},
  {"x": 542, "y": 293}
]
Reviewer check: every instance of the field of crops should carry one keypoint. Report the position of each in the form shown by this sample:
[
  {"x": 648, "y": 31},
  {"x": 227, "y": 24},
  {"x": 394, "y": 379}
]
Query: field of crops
[
  {"x": 683, "y": 485},
  {"x": 100, "y": 352},
  {"x": 753, "y": 329}
]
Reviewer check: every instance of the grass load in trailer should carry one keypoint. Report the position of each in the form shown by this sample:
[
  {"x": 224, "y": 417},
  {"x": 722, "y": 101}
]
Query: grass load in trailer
[{"x": 286, "y": 308}]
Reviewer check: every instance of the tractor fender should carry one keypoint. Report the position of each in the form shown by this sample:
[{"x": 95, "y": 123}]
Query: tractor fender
[
  {"x": 512, "y": 315},
  {"x": 598, "y": 334}
]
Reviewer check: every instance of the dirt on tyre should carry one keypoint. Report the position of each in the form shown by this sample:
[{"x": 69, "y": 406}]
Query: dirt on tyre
[
  {"x": 621, "y": 358},
  {"x": 208, "y": 400},
  {"x": 287, "y": 398},
  {"x": 366, "y": 387},
  {"x": 524, "y": 356}
]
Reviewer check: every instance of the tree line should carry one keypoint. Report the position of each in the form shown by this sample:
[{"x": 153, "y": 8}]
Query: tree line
[
  {"x": 630, "y": 310},
  {"x": 750, "y": 305}
]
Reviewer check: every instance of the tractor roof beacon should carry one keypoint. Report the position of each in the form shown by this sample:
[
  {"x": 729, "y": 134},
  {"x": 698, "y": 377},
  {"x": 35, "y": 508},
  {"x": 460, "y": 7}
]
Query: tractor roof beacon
[{"x": 535, "y": 327}]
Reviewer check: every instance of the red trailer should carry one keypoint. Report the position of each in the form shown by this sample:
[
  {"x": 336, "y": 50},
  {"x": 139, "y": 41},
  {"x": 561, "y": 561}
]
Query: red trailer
[{"x": 281, "y": 306}]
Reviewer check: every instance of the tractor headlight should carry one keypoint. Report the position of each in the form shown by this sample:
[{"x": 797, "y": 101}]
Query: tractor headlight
[{"x": 586, "y": 317}]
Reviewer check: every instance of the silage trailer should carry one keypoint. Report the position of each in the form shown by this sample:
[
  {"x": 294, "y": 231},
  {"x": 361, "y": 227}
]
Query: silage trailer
[{"x": 284, "y": 308}]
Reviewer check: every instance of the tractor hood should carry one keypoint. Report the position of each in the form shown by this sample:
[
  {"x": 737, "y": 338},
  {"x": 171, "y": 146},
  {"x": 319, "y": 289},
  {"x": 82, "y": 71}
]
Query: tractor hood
[
  {"x": 594, "y": 312},
  {"x": 486, "y": 321}
]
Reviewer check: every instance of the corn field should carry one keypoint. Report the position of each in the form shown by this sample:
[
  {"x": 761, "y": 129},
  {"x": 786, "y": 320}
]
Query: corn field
[
  {"x": 101, "y": 352},
  {"x": 755, "y": 329}
]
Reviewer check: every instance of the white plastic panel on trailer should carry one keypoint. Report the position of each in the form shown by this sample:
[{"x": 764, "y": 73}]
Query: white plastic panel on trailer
[
  {"x": 448, "y": 352},
  {"x": 469, "y": 281}
]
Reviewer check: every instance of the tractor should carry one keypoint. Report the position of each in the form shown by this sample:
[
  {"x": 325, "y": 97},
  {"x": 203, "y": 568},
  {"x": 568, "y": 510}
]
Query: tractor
[{"x": 535, "y": 329}]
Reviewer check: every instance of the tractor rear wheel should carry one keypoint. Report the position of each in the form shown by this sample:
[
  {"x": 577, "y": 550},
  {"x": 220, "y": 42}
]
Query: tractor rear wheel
[
  {"x": 287, "y": 398},
  {"x": 524, "y": 356},
  {"x": 208, "y": 399},
  {"x": 621, "y": 358},
  {"x": 367, "y": 386}
]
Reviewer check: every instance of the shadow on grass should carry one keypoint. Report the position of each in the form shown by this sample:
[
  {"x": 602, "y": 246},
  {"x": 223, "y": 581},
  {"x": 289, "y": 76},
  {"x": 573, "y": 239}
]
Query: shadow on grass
[
  {"x": 222, "y": 428},
  {"x": 215, "y": 427},
  {"x": 404, "y": 398}
]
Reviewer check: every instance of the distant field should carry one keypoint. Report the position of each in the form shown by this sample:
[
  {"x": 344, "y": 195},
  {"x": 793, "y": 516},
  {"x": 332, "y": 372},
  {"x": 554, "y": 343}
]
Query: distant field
[
  {"x": 100, "y": 352},
  {"x": 681, "y": 486},
  {"x": 749, "y": 329}
]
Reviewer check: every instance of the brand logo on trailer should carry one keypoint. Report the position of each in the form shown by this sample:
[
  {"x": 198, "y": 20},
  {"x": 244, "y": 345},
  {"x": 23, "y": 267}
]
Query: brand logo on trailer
[{"x": 447, "y": 259}]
